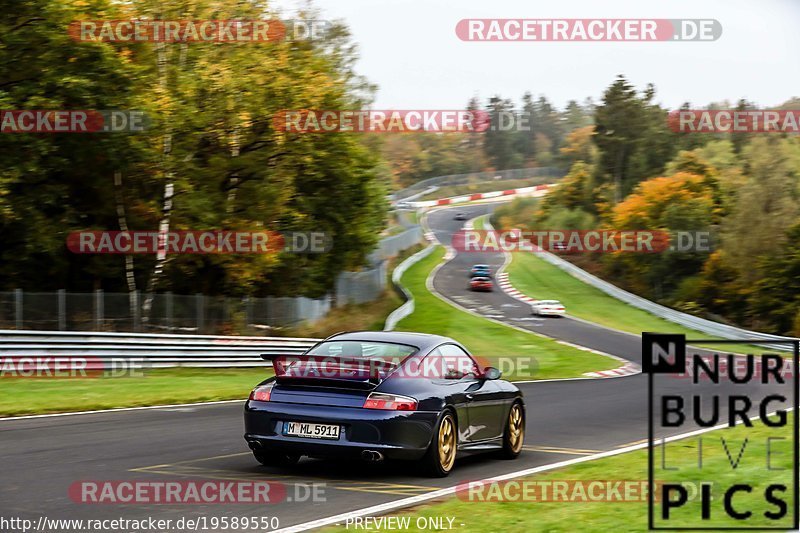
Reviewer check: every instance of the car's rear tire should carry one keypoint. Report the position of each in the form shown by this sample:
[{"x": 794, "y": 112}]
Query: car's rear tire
[
  {"x": 441, "y": 455},
  {"x": 270, "y": 458},
  {"x": 514, "y": 433}
]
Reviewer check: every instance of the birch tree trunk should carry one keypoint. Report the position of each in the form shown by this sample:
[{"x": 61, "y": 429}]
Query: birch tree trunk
[
  {"x": 123, "y": 226},
  {"x": 234, "y": 181},
  {"x": 166, "y": 211}
]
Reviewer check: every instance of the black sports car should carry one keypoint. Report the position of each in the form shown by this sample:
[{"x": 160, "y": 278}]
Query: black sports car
[{"x": 383, "y": 395}]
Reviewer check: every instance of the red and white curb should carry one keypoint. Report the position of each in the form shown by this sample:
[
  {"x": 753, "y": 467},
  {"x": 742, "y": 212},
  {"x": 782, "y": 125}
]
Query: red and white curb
[
  {"x": 536, "y": 190},
  {"x": 505, "y": 285},
  {"x": 628, "y": 369}
]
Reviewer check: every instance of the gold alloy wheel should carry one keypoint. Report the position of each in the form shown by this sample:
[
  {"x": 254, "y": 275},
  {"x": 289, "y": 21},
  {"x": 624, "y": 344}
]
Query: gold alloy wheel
[
  {"x": 447, "y": 443},
  {"x": 516, "y": 428}
]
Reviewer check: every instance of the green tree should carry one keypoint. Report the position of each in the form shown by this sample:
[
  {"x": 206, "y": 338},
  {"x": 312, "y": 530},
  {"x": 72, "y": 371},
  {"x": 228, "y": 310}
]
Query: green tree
[
  {"x": 499, "y": 141},
  {"x": 764, "y": 205},
  {"x": 632, "y": 135}
]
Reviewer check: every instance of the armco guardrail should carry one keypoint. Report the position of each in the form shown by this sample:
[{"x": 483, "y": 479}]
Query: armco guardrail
[
  {"x": 152, "y": 350},
  {"x": 431, "y": 184},
  {"x": 408, "y": 306},
  {"x": 696, "y": 323}
]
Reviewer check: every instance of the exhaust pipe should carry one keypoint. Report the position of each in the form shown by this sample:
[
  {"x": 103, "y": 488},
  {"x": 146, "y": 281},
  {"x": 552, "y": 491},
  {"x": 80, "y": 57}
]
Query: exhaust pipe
[
  {"x": 254, "y": 444},
  {"x": 372, "y": 456}
]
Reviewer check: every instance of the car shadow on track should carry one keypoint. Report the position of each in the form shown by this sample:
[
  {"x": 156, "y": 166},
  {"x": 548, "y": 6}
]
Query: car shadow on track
[{"x": 357, "y": 469}]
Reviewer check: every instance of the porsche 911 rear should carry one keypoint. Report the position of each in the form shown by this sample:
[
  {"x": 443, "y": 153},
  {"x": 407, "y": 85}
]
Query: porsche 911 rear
[
  {"x": 383, "y": 395},
  {"x": 328, "y": 419}
]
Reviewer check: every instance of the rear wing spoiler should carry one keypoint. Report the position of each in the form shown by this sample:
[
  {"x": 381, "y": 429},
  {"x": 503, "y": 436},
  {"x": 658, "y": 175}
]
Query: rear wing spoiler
[{"x": 335, "y": 369}]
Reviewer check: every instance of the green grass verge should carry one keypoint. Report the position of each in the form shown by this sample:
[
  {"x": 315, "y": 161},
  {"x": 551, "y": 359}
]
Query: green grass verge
[
  {"x": 490, "y": 339},
  {"x": 604, "y": 516},
  {"x": 537, "y": 278},
  {"x": 22, "y": 396}
]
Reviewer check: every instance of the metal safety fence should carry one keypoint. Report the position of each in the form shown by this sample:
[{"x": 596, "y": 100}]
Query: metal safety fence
[
  {"x": 198, "y": 313},
  {"x": 121, "y": 351},
  {"x": 709, "y": 327}
]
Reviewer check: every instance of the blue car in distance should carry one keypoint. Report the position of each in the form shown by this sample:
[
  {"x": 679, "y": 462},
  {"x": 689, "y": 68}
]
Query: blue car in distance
[
  {"x": 371, "y": 396},
  {"x": 482, "y": 271}
]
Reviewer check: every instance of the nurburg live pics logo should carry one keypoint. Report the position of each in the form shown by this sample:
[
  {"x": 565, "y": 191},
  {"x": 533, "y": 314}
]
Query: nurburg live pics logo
[{"x": 768, "y": 503}]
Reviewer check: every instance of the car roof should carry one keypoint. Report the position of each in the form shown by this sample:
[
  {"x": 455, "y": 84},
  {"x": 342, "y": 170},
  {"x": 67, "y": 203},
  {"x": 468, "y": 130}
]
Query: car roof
[
  {"x": 422, "y": 341},
  {"x": 480, "y": 266},
  {"x": 481, "y": 278}
]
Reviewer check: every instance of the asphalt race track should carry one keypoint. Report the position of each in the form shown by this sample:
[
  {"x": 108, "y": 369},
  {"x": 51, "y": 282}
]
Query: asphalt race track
[{"x": 566, "y": 419}]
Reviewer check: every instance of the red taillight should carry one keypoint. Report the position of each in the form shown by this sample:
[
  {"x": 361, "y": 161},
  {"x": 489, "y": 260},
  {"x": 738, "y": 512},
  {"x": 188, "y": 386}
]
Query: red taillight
[
  {"x": 390, "y": 402},
  {"x": 262, "y": 392}
]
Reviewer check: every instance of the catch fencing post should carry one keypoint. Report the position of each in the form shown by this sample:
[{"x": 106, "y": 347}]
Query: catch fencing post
[
  {"x": 168, "y": 306},
  {"x": 248, "y": 313},
  {"x": 98, "y": 309},
  {"x": 200, "y": 312},
  {"x": 137, "y": 311},
  {"x": 18, "y": 307},
  {"x": 62, "y": 310}
]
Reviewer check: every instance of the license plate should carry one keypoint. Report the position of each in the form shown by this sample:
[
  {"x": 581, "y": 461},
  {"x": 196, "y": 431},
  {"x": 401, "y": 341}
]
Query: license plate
[{"x": 311, "y": 430}]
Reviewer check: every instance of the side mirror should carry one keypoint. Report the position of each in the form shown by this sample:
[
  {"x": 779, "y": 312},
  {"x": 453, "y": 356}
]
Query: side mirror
[{"x": 491, "y": 372}]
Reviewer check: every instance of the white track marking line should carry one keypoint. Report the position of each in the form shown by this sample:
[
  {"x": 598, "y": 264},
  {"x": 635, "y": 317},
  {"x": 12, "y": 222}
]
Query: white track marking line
[{"x": 119, "y": 409}]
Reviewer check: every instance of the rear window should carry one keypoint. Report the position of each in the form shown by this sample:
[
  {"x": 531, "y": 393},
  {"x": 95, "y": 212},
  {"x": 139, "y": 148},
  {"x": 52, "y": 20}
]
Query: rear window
[
  {"x": 345, "y": 360},
  {"x": 391, "y": 352}
]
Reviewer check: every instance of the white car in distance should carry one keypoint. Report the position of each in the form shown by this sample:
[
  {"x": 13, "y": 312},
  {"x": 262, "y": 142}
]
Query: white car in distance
[{"x": 547, "y": 308}]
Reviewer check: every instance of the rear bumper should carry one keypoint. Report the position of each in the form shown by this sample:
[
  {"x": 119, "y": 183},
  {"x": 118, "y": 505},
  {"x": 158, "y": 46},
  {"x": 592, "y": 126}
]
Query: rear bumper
[
  {"x": 397, "y": 435},
  {"x": 548, "y": 313}
]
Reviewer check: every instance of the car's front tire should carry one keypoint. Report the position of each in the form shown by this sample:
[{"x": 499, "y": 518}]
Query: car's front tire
[
  {"x": 441, "y": 455},
  {"x": 268, "y": 458},
  {"x": 514, "y": 434}
]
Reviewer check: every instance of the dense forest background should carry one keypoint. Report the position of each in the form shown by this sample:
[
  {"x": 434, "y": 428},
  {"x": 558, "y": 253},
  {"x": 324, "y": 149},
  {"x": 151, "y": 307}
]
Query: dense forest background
[{"x": 212, "y": 159}]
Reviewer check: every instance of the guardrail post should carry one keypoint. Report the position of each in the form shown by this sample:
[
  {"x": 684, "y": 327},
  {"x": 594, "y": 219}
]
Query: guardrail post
[
  {"x": 200, "y": 312},
  {"x": 98, "y": 309},
  {"x": 136, "y": 310},
  {"x": 62, "y": 310},
  {"x": 18, "y": 307},
  {"x": 169, "y": 302}
]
